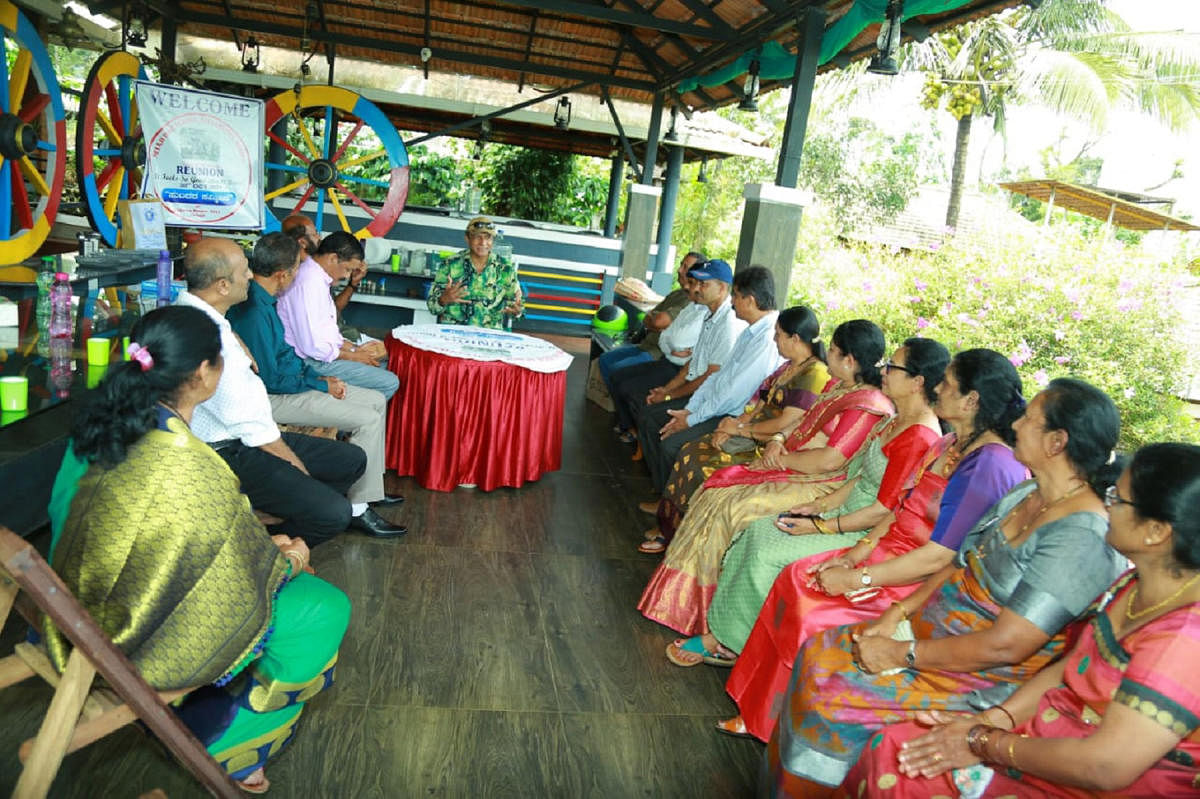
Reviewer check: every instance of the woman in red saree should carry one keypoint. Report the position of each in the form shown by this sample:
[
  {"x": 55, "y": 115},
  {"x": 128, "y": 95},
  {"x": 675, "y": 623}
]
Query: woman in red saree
[
  {"x": 793, "y": 470},
  {"x": 1120, "y": 714},
  {"x": 979, "y": 398}
]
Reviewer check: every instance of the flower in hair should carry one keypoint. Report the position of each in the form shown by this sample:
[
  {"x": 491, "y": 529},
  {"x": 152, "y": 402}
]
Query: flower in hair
[{"x": 142, "y": 355}]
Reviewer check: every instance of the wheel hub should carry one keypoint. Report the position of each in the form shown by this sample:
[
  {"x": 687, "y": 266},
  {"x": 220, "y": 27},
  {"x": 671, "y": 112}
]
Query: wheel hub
[
  {"x": 322, "y": 173},
  {"x": 133, "y": 151},
  {"x": 17, "y": 137}
]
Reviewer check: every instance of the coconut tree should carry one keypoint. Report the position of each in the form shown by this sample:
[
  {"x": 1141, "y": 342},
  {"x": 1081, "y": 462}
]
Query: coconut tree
[{"x": 1075, "y": 57}]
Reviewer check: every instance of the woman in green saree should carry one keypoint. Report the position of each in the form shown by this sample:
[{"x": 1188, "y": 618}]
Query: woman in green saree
[{"x": 152, "y": 534}]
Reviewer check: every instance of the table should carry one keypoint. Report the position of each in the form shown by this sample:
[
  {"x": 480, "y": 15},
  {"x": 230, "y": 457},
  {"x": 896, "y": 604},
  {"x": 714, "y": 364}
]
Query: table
[{"x": 474, "y": 406}]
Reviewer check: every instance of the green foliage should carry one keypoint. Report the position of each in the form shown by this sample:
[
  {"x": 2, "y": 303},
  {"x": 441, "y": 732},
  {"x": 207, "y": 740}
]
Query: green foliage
[
  {"x": 525, "y": 183},
  {"x": 1055, "y": 305},
  {"x": 434, "y": 179}
]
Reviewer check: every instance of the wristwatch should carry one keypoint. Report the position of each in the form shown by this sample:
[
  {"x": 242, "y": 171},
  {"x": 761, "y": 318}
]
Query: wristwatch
[
  {"x": 910, "y": 657},
  {"x": 666, "y": 397},
  {"x": 866, "y": 576}
]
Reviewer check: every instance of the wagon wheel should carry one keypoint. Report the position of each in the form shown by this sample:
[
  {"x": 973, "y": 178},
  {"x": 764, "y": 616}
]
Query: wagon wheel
[
  {"x": 334, "y": 151},
  {"x": 33, "y": 133},
  {"x": 109, "y": 148}
]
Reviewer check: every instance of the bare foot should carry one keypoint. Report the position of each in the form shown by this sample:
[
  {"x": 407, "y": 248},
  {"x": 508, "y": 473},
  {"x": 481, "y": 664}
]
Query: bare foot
[{"x": 256, "y": 782}]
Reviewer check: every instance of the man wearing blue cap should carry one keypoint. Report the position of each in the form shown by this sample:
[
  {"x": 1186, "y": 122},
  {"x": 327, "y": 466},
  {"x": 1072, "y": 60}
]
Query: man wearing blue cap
[{"x": 662, "y": 429}]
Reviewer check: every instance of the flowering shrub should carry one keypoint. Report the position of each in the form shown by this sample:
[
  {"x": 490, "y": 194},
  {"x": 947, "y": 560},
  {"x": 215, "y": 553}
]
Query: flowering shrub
[{"x": 1054, "y": 302}]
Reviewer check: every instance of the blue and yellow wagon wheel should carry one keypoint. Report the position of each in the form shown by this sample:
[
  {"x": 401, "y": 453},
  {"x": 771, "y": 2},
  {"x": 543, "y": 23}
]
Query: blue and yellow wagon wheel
[
  {"x": 33, "y": 133},
  {"x": 109, "y": 149},
  {"x": 339, "y": 148}
]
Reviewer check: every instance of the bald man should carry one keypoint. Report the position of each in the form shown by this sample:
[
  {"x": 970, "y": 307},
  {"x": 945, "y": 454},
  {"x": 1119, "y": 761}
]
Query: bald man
[{"x": 301, "y": 479}]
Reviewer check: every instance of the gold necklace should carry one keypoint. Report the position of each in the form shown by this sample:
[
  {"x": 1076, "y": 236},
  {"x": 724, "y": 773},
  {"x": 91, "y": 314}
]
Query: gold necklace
[
  {"x": 1129, "y": 614},
  {"x": 1047, "y": 506}
]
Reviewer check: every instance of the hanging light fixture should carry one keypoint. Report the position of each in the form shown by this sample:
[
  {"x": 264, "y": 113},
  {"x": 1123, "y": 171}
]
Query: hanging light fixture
[
  {"x": 562, "y": 113},
  {"x": 750, "y": 92},
  {"x": 884, "y": 62},
  {"x": 671, "y": 135},
  {"x": 702, "y": 175},
  {"x": 250, "y": 63}
]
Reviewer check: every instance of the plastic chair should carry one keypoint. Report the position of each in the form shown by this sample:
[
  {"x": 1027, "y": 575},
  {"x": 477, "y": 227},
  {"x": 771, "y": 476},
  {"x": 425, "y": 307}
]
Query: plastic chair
[{"x": 81, "y": 712}]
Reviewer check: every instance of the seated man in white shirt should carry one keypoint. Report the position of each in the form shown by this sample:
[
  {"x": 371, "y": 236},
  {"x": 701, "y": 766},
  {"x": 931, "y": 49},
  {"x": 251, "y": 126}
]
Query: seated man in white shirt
[
  {"x": 299, "y": 478},
  {"x": 310, "y": 319},
  {"x": 663, "y": 430}
]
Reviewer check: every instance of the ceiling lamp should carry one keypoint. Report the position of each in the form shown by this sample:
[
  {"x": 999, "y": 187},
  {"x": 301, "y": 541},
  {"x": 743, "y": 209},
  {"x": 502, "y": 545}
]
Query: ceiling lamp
[
  {"x": 671, "y": 135},
  {"x": 562, "y": 114},
  {"x": 250, "y": 63},
  {"x": 702, "y": 175},
  {"x": 884, "y": 62},
  {"x": 750, "y": 92}
]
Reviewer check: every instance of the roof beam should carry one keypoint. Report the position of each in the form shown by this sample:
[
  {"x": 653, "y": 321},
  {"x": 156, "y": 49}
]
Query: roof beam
[
  {"x": 497, "y": 113},
  {"x": 634, "y": 19},
  {"x": 442, "y": 54}
]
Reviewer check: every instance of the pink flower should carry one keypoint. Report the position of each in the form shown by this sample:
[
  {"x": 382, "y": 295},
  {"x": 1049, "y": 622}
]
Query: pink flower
[
  {"x": 1023, "y": 354},
  {"x": 1062, "y": 360},
  {"x": 914, "y": 298},
  {"x": 1073, "y": 294},
  {"x": 922, "y": 323},
  {"x": 1041, "y": 378},
  {"x": 920, "y": 284},
  {"x": 1076, "y": 315},
  {"x": 1124, "y": 286},
  {"x": 1127, "y": 304}
]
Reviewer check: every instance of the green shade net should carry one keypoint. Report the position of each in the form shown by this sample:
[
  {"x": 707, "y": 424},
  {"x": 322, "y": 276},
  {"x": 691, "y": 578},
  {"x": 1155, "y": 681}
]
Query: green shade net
[{"x": 775, "y": 63}]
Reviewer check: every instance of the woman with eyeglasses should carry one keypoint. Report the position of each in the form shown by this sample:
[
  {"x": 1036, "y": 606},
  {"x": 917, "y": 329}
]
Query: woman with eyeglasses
[
  {"x": 797, "y": 466},
  {"x": 961, "y": 477},
  {"x": 1120, "y": 714},
  {"x": 875, "y": 480},
  {"x": 980, "y": 627}
]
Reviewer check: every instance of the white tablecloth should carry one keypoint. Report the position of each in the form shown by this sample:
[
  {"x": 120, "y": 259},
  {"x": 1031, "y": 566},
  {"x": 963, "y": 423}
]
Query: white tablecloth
[{"x": 484, "y": 344}]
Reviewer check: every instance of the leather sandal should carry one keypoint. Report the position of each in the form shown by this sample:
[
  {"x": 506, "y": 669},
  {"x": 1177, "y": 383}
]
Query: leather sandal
[
  {"x": 261, "y": 786},
  {"x": 653, "y": 546},
  {"x": 734, "y": 727},
  {"x": 688, "y": 652}
]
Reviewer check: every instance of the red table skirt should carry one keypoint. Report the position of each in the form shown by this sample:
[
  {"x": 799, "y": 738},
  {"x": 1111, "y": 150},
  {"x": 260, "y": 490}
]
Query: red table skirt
[{"x": 457, "y": 421}]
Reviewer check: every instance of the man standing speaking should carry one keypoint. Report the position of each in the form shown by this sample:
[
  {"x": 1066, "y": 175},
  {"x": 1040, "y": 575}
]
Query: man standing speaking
[{"x": 476, "y": 287}]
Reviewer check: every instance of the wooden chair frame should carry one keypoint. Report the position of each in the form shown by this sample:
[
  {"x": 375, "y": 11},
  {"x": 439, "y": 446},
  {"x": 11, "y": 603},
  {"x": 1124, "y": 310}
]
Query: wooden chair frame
[{"x": 81, "y": 713}]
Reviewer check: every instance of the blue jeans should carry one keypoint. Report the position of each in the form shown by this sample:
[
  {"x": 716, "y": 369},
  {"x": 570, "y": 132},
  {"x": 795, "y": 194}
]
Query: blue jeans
[
  {"x": 359, "y": 374},
  {"x": 619, "y": 358}
]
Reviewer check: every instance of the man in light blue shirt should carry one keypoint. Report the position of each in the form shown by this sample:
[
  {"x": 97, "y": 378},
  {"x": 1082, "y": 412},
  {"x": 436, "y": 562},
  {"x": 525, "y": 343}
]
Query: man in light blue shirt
[{"x": 663, "y": 430}]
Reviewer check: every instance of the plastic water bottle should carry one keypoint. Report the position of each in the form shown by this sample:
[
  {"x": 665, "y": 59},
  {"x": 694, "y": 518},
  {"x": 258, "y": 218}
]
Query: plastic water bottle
[
  {"x": 45, "y": 279},
  {"x": 164, "y": 278},
  {"x": 62, "y": 332}
]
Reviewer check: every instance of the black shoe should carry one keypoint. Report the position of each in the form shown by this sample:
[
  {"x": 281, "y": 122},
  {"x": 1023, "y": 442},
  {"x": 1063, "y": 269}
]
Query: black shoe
[
  {"x": 388, "y": 501},
  {"x": 376, "y": 526}
]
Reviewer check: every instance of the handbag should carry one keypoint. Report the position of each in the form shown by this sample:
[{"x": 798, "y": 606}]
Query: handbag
[{"x": 736, "y": 445}]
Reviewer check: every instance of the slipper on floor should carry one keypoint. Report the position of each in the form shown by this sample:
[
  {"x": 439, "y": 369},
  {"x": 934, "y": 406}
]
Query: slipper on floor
[
  {"x": 262, "y": 786},
  {"x": 653, "y": 546},
  {"x": 688, "y": 652},
  {"x": 734, "y": 727}
]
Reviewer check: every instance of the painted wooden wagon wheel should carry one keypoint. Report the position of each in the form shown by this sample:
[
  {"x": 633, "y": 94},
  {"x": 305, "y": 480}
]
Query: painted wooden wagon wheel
[
  {"x": 33, "y": 133},
  {"x": 338, "y": 148},
  {"x": 109, "y": 149}
]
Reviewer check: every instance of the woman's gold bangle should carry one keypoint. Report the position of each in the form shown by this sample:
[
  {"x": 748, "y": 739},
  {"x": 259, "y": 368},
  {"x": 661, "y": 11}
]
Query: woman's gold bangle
[
  {"x": 903, "y": 612},
  {"x": 779, "y": 437},
  {"x": 1012, "y": 741},
  {"x": 816, "y": 520}
]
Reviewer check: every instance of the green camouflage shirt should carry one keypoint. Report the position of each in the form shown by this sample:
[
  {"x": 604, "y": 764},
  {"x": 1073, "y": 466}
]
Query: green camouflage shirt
[{"x": 489, "y": 291}]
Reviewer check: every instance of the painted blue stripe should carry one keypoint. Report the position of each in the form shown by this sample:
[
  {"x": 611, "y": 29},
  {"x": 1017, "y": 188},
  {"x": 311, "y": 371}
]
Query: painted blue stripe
[
  {"x": 563, "y": 319},
  {"x": 3, "y": 73},
  {"x": 287, "y": 168},
  {"x": 106, "y": 153},
  {"x": 28, "y": 36},
  {"x": 327, "y": 144},
  {"x": 6, "y": 208},
  {"x": 556, "y": 287},
  {"x": 320, "y": 222},
  {"x": 47, "y": 146}
]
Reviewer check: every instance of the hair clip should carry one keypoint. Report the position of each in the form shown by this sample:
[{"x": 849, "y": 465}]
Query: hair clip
[{"x": 142, "y": 355}]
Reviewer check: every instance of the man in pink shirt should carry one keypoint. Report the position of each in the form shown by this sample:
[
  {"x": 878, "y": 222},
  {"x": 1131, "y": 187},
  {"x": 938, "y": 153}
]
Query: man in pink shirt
[{"x": 310, "y": 319}]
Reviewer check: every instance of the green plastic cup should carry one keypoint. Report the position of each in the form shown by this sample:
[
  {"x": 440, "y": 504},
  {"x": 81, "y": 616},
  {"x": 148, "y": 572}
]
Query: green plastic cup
[
  {"x": 8, "y": 417},
  {"x": 125, "y": 348},
  {"x": 95, "y": 374},
  {"x": 98, "y": 350},
  {"x": 14, "y": 393}
]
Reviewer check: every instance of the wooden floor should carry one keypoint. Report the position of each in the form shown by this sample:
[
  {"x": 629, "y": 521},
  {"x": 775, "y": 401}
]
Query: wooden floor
[{"x": 494, "y": 651}]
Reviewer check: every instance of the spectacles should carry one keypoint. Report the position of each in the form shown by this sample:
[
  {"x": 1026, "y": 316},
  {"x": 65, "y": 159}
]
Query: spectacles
[
  {"x": 888, "y": 366},
  {"x": 1111, "y": 497}
]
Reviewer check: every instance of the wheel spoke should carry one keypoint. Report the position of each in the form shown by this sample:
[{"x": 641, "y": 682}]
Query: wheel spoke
[
  {"x": 110, "y": 130},
  {"x": 20, "y": 78},
  {"x": 21, "y": 202},
  {"x": 286, "y": 168},
  {"x": 132, "y": 184},
  {"x": 34, "y": 177},
  {"x": 295, "y": 184},
  {"x": 304, "y": 198},
  {"x": 106, "y": 153},
  {"x": 49, "y": 147},
  {"x": 114, "y": 110},
  {"x": 337, "y": 206},
  {"x": 308, "y": 139},
  {"x": 327, "y": 137},
  {"x": 355, "y": 199},
  {"x": 36, "y": 105},
  {"x": 349, "y": 138},
  {"x": 366, "y": 181},
  {"x": 110, "y": 201},
  {"x": 125, "y": 102},
  {"x": 321, "y": 209},
  {"x": 362, "y": 159},
  {"x": 278, "y": 140},
  {"x": 6, "y": 172},
  {"x": 106, "y": 175}
]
